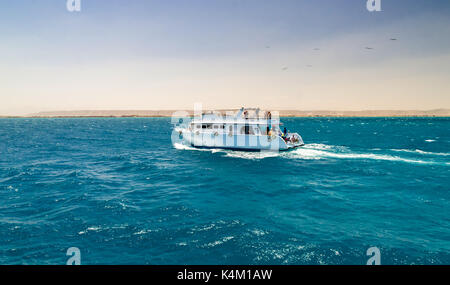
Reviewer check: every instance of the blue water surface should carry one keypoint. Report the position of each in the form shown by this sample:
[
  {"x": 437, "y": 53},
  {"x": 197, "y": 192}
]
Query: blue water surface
[{"x": 118, "y": 189}]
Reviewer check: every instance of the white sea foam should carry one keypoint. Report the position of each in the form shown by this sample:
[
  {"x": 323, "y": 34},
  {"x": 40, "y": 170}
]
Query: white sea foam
[
  {"x": 181, "y": 146},
  {"x": 90, "y": 229},
  {"x": 231, "y": 153},
  {"x": 305, "y": 153},
  {"x": 218, "y": 242},
  {"x": 258, "y": 232},
  {"x": 184, "y": 147},
  {"x": 422, "y": 152},
  {"x": 319, "y": 146},
  {"x": 316, "y": 152},
  {"x": 145, "y": 231},
  {"x": 252, "y": 155}
]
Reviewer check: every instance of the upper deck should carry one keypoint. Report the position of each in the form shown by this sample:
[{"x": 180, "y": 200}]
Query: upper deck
[{"x": 245, "y": 116}]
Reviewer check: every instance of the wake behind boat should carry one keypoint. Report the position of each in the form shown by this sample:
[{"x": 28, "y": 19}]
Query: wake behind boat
[{"x": 248, "y": 129}]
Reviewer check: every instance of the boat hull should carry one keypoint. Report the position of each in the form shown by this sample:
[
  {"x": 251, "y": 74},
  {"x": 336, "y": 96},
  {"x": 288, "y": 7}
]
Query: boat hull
[
  {"x": 245, "y": 149},
  {"x": 237, "y": 142}
]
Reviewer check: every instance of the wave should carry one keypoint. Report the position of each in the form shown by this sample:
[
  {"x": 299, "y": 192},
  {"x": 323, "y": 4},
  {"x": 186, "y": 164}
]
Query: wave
[
  {"x": 252, "y": 155},
  {"x": 320, "y": 154},
  {"x": 219, "y": 242},
  {"x": 325, "y": 147},
  {"x": 90, "y": 229},
  {"x": 181, "y": 146},
  {"x": 316, "y": 151},
  {"x": 422, "y": 152},
  {"x": 230, "y": 153}
]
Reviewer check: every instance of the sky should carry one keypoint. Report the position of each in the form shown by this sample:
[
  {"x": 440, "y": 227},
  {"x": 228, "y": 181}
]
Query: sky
[{"x": 171, "y": 54}]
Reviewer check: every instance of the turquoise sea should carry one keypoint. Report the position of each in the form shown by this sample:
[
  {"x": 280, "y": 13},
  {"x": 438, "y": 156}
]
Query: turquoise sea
[{"x": 118, "y": 189}]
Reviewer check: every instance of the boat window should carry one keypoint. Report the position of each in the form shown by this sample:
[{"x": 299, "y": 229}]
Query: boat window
[
  {"x": 198, "y": 126},
  {"x": 246, "y": 130},
  {"x": 216, "y": 126},
  {"x": 207, "y": 126},
  {"x": 264, "y": 129}
]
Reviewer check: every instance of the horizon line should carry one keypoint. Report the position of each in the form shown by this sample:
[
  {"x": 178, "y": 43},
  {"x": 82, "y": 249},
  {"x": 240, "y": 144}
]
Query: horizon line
[{"x": 441, "y": 112}]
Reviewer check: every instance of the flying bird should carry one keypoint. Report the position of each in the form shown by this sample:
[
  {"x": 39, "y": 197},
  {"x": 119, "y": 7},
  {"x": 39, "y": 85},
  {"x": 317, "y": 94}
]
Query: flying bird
[
  {"x": 393, "y": 39},
  {"x": 369, "y": 48},
  {"x": 316, "y": 48},
  {"x": 284, "y": 68}
]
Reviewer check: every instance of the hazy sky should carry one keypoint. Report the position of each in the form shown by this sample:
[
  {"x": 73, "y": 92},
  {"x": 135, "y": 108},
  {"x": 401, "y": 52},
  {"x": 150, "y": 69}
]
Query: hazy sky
[{"x": 169, "y": 54}]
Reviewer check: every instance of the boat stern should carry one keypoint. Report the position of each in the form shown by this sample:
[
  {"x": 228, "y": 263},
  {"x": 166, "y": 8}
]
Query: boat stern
[{"x": 293, "y": 140}]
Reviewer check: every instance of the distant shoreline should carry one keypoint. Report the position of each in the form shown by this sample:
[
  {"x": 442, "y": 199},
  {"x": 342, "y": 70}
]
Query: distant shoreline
[
  {"x": 439, "y": 113},
  {"x": 118, "y": 117}
]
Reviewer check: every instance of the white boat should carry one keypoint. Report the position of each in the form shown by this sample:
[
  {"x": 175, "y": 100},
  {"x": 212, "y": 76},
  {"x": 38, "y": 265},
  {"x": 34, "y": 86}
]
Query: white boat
[{"x": 246, "y": 129}]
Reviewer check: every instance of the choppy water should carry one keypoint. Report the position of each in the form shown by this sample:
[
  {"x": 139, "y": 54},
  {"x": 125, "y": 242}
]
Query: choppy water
[{"x": 120, "y": 192}]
